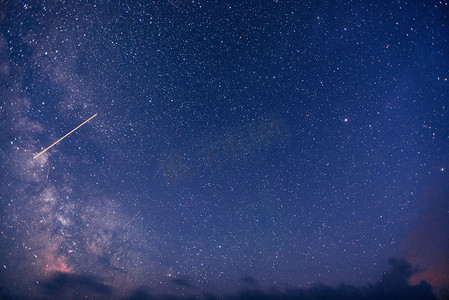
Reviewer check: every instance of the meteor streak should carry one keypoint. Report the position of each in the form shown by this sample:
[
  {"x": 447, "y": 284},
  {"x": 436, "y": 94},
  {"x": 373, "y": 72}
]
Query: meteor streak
[{"x": 64, "y": 136}]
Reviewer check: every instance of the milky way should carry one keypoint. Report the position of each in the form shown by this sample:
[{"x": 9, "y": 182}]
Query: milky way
[{"x": 56, "y": 226}]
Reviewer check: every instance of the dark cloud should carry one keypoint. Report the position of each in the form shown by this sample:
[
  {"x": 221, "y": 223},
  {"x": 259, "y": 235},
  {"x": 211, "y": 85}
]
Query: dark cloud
[
  {"x": 141, "y": 293},
  {"x": 426, "y": 244},
  {"x": 394, "y": 285},
  {"x": 69, "y": 285},
  {"x": 182, "y": 282},
  {"x": 249, "y": 280}
]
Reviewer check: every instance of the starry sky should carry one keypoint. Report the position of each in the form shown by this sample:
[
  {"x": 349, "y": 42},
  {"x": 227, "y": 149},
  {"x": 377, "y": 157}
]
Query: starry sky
[{"x": 257, "y": 148}]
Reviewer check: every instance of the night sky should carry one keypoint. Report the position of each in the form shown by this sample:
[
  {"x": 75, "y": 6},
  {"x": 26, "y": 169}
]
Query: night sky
[{"x": 257, "y": 149}]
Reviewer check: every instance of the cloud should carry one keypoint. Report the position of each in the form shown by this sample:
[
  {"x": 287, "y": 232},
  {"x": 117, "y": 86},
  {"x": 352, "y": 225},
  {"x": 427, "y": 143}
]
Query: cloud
[
  {"x": 182, "y": 282},
  {"x": 141, "y": 293},
  {"x": 249, "y": 280},
  {"x": 394, "y": 285},
  {"x": 426, "y": 245},
  {"x": 68, "y": 285}
]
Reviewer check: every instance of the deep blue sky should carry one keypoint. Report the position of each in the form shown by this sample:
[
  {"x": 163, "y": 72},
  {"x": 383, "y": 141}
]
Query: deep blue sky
[{"x": 237, "y": 145}]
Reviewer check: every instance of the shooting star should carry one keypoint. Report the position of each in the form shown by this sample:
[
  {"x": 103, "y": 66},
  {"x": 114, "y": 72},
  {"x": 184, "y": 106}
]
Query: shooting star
[
  {"x": 45, "y": 150},
  {"x": 162, "y": 165},
  {"x": 48, "y": 173},
  {"x": 131, "y": 220}
]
